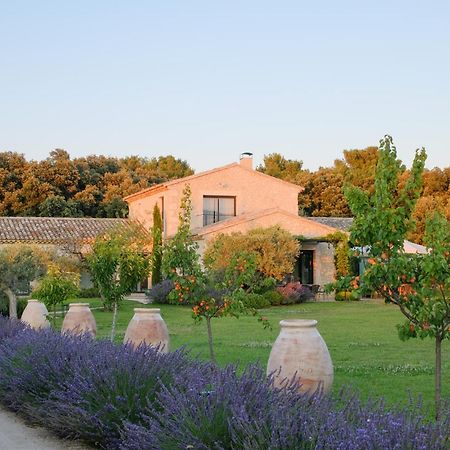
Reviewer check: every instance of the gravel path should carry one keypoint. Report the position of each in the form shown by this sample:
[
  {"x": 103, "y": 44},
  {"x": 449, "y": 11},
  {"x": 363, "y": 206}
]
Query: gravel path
[{"x": 16, "y": 435}]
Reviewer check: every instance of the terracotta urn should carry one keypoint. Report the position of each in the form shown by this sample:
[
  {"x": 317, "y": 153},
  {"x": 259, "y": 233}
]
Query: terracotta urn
[
  {"x": 79, "y": 319},
  {"x": 35, "y": 315},
  {"x": 147, "y": 326},
  {"x": 300, "y": 354}
]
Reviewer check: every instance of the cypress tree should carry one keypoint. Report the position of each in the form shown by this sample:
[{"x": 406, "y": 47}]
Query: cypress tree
[{"x": 157, "y": 246}]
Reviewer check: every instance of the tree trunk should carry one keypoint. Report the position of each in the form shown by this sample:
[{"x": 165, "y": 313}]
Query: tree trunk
[
  {"x": 12, "y": 303},
  {"x": 114, "y": 322},
  {"x": 210, "y": 340},
  {"x": 438, "y": 378}
]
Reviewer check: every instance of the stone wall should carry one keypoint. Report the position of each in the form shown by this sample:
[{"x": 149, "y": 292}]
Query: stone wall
[{"x": 323, "y": 262}]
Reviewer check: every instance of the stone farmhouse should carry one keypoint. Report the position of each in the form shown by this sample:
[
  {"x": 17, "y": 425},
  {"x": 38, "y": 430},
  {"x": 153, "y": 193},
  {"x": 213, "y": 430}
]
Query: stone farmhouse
[
  {"x": 227, "y": 199},
  {"x": 235, "y": 198}
]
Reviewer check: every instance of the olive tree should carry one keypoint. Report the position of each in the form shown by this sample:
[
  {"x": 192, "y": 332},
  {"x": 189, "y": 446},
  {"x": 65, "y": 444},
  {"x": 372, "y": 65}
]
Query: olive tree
[{"x": 19, "y": 265}]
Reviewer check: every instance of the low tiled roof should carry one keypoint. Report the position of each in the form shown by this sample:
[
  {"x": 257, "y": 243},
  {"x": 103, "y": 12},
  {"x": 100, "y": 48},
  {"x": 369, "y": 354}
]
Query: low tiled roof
[
  {"x": 340, "y": 223},
  {"x": 319, "y": 228},
  {"x": 54, "y": 230},
  {"x": 344, "y": 224}
]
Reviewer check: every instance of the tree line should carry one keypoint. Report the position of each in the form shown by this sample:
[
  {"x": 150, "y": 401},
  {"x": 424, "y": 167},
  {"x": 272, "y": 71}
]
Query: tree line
[
  {"x": 94, "y": 186},
  {"x": 324, "y": 188},
  {"x": 91, "y": 186}
]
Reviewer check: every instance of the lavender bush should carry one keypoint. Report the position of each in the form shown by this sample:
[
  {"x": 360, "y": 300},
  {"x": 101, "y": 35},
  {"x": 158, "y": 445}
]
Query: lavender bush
[
  {"x": 10, "y": 327},
  {"x": 118, "y": 385},
  {"x": 159, "y": 293},
  {"x": 202, "y": 414},
  {"x": 115, "y": 397},
  {"x": 35, "y": 363}
]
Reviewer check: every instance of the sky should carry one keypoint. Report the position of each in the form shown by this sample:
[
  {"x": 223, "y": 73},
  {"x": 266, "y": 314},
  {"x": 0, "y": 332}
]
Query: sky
[{"x": 208, "y": 80}]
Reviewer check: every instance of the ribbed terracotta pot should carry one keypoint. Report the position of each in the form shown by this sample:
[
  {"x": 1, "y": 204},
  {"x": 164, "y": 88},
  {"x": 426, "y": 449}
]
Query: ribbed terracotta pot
[
  {"x": 35, "y": 315},
  {"x": 79, "y": 319},
  {"x": 300, "y": 354},
  {"x": 147, "y": 326}
]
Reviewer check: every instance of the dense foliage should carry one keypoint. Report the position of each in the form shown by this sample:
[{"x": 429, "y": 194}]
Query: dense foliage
[
  {"x": 94, "y": 186},
  {"x": 91, "y": 186},
  {"x": 57, "y": 286},
  {"x": 275, "y": 250},
  {"x": 418, "y": 284},
  {"x": 324, "y": 188},
  {"x": 19, "y": 265},
  {"x": 115, "y": 397},
  {"x": 118, "y": 261}
]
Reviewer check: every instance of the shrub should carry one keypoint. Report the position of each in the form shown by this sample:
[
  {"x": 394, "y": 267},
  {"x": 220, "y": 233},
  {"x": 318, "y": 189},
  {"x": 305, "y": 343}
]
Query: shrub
[
  {"x": 56, "y": 287},
  {"x": 295, "y": 292},
  {"x": 159, "y": 293},
  {"x": 275, "y": 250},
  {"x": 118, "y": 385},
  {"x": 274, "y": 297},
  {"x": 255, "y": 301},
  {"x": 118, "y": 398},
  {"x": 341, "y": 296},
  {"x": 91, "y": 292},
  {"x": 10, "y": 327},
  {"x": 204, "y": 415},
  {"x": 35, "y": 363},
  {"x": 245, "y": 412}
]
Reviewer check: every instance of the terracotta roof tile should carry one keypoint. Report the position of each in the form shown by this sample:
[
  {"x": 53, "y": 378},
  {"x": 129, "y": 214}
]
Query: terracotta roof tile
[
  {"x": 341, "y": 223},
  {"x": 54, "y": 230}
]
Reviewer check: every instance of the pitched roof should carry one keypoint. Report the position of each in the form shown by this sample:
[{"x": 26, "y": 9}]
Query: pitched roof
[
  {"x": 340, "y": 223},
  {"x": 54, "y": 230},
  {"x": 344, "y": 224},
  {"x": 163, "y": 186},
  {"x": 221, "y": 226}
]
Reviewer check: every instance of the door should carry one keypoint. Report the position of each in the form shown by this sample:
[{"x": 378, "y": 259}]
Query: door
[{"x": 305, "y": 267}]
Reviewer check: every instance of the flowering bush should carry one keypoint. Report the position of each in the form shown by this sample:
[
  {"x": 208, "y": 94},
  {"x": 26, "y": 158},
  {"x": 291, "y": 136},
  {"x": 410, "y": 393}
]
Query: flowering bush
[
  {"x": 117, "y": 385},
  {"x": 295, "y": 292},
  {"x": 10, "y": 327},
  {"x": 115, "y": 397},
  {"x": 159, "y": 293}
]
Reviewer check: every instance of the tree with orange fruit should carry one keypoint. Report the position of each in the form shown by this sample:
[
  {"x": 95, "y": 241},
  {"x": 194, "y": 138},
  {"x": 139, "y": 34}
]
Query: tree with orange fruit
[
  {"x": 222, "y": 296},
  {"x": 180, "y": 259},
  {"x": 418, "y": 284}
]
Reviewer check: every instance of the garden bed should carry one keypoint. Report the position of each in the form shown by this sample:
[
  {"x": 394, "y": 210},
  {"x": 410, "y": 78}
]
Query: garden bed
[{"x": 114, "y": 397}]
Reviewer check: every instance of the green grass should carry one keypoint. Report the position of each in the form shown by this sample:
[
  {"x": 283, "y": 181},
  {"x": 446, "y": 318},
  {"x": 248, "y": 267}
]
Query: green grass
[{"x": 361, "y": 337}]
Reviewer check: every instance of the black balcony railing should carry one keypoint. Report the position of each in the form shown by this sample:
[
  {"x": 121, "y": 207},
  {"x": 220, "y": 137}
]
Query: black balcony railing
[{"x": 214, "y": 216}]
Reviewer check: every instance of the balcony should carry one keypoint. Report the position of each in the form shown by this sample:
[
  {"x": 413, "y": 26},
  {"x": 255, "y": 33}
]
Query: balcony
[{"x": 210, "y": 217}]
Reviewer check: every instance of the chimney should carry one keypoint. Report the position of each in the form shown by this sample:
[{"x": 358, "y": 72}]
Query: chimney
[{"x": 246, "y": 160}]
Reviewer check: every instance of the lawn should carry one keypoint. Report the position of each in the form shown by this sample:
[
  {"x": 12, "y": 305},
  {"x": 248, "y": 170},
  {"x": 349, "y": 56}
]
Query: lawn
[{"x": 361, "y": 336}]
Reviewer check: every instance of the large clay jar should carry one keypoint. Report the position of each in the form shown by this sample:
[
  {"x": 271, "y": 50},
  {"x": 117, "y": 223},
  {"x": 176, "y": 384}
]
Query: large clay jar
[
  {"x": 147, "y": 326},
  {"x": 300, "y": 354},
  {"x": 35, "y": 315},
  {"x": 79, "y": 319}
]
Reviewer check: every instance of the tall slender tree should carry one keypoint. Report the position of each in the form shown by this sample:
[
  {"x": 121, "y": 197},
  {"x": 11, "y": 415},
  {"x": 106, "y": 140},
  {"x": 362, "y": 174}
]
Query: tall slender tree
[
  {"x": 157, "y": 230},
  {"x": 418, "y": 284}
]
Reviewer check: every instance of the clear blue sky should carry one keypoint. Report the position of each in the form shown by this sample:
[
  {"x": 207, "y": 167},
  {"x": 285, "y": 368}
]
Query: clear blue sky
[{"x": 207, "y": 80}]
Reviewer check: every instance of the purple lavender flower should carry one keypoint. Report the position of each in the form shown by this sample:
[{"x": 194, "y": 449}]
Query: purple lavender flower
[{"x": 116, "y": 397}]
